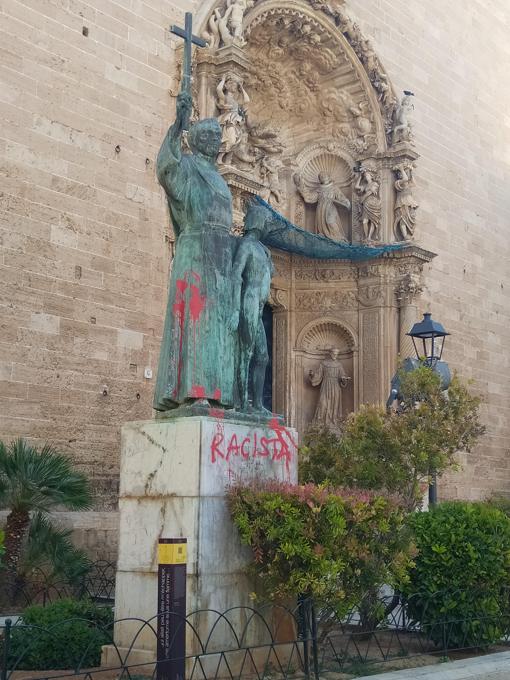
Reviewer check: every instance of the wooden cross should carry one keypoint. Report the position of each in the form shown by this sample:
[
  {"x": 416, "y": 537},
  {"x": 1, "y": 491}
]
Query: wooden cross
[{"x": 189, "y": 39}]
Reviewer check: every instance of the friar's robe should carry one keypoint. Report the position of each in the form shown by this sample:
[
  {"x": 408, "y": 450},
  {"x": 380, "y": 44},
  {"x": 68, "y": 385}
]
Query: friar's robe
[{"x": 197, "y": 350}]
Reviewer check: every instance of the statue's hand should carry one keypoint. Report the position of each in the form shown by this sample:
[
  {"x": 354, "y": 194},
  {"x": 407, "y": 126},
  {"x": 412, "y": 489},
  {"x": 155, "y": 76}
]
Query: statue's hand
[
  {"x": 184, "y": 105},
  {"x": 233, "y": 322}
]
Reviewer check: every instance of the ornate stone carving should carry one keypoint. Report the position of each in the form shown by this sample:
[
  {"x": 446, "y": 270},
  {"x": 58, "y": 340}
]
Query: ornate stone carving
[
  {"x": 320, "y": 181},
  {"x": 331, "y": 377},
  {"x": 319, "y": 336},
  {"x": 232, "y": 100},
  {"x": 279, "y": 298},
  {"x": 401, "y": 128},
  {"x": 324, "y": 300},
  {"x": 225, "y": 26},
  {"x": 408, "y": 288},
  {"x": 405, "y": 204},
  {"x": 367, "y": 188},
  {"x": 312, "y": 273},
  {"x": 370, "y": 295}
]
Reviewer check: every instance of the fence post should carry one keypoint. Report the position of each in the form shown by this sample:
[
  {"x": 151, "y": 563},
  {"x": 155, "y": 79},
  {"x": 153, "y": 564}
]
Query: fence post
[
  {"x": 7, "y": 640},
  {"x": 315, "y": 646},
  {"x": 303, "y": 632}
]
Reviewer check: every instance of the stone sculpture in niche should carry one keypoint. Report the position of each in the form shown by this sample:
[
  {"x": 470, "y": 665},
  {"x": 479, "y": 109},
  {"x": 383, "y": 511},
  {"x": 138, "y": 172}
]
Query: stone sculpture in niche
[
  {"x": 405, "y": 204},
  {"x": 231, "y": 101},
  {"x": 331, "y": 377},
  {"x": 327, "y": 196},
  {"x": 367, "y": 187},
  {"x": 270, "y": 167},
  {"x": 251, "y": 274}
]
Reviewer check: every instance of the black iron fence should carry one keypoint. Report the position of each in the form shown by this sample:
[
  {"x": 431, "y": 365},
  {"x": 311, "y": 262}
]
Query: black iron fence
[
  {"x": 270, "y": 641},
  {"x": 39, "y": 587}
]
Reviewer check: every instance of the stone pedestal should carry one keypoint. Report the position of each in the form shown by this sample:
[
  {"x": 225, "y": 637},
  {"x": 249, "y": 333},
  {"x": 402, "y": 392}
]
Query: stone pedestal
[{"x": 173, "y": 477}]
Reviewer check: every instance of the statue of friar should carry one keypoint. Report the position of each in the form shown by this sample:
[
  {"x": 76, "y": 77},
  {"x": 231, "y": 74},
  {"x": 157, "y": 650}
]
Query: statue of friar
[{"x": 196, "y": 358}]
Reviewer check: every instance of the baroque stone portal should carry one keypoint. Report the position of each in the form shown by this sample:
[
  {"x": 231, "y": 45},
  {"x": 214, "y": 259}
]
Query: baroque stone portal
[{"x": 311, "y": 122}]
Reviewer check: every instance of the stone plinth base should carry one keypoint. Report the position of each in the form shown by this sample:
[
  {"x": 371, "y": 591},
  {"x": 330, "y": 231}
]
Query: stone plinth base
[{"x": 173, "y": 478}]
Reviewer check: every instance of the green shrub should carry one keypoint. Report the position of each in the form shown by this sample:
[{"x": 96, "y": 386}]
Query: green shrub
[
  {"x": 335, "y": 545},
  {"x": 65, "y": 634},
  {"x": 461, "y": 573},
  {"x": 396, "y": 452}
]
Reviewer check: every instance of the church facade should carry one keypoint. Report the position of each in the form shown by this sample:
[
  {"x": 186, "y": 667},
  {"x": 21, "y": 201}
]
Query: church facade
[{"x": 379, "y": 122}]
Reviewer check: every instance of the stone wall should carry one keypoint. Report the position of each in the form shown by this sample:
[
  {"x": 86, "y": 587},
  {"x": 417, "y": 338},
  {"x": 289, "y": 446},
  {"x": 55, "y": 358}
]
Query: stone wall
[
  {"x": 84, "y": 232},
  {"x": 455, "y": 57},
  {"x": 85, "y": 98}
]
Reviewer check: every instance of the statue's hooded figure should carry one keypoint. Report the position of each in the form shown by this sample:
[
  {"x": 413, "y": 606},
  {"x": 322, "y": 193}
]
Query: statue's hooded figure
[{"x": 196, "y": 359}]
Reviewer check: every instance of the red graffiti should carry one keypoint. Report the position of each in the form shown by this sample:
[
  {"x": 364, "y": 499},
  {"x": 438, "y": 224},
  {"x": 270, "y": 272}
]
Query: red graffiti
[
  {"x": 277, "y": 448},
  {"x": 188, "y": 302},
  {"x": 198, "y": 392},
  {"x": 196, "y": 303},
  {"x": 217, "y": 394},
  {"x": 178, "y": 309}
]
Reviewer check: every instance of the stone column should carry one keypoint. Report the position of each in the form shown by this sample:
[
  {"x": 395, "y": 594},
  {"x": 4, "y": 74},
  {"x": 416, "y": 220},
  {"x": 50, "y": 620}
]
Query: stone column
[{"x": 407, "y": 292}]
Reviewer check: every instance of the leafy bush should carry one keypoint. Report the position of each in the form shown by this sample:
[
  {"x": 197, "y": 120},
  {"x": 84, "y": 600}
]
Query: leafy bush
[
  {"x": 65, "y": 634},
  {"x": 396, "y": 452},
  {"x": 461, "y": 573},
  {"x": 331, "y": 544}
]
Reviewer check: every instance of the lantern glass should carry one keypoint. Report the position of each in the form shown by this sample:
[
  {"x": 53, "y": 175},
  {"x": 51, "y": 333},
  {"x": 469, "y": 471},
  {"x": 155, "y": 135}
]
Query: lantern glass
[{"x": 428, "y": 339}]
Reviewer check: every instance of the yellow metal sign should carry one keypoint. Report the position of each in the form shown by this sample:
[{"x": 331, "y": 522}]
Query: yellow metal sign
[{"x": 172, "y": 553}]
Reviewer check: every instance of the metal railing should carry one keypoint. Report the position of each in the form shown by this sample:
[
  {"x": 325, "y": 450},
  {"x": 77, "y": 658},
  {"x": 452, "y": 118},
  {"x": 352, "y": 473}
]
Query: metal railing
[
  {"x": 98, "y": 584},
  {"x": 273, "y": 641}
]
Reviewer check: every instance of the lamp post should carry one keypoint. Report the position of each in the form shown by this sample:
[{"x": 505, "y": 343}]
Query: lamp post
[{"x": 428, "y": 338}]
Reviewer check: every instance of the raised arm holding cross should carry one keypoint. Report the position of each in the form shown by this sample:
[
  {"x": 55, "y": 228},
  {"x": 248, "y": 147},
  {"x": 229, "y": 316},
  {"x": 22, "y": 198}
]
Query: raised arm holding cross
[{"x": 189, "y": 40}]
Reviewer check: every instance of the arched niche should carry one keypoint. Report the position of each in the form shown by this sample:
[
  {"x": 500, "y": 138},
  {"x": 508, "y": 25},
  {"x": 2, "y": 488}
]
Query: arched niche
[{"x": 313, "y": 346}]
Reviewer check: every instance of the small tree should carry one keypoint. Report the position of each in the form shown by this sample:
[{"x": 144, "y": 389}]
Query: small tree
[
  {"x": 35, "y": 481},
  {"x": 379, "y": 449}
]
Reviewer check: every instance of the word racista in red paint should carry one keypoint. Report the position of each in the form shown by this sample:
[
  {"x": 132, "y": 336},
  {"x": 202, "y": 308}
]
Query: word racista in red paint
[{"x": 279, "y": 445}]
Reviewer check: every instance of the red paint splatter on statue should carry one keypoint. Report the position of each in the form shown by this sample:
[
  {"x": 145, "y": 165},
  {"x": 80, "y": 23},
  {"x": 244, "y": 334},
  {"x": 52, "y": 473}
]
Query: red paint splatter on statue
[
  {"x": 179, "y": 314},
  {"x": 217, "y": 394},
  {"x": 196, "y": 303},
  {"x": 198, "y": 392}
]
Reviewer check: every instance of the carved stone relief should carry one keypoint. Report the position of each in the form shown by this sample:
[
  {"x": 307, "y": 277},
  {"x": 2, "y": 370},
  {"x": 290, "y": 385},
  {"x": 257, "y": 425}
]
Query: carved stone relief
[
  {"x": 368, "y": 188},
  {"x": 271, "y": 70},
  {"x": 405, "y": 204},
  {"x": 324, "y": 300}
]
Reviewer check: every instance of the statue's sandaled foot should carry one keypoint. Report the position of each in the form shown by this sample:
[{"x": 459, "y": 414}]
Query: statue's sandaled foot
[{"x": 261, "y": 411}]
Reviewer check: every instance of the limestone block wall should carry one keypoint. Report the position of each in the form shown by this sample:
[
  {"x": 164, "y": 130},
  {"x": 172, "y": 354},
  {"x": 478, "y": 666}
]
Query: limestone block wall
[
  {"x": 84, "y": 234},
  {"x": 455, "y": 57},
  {"x": 85, "y": 98}
]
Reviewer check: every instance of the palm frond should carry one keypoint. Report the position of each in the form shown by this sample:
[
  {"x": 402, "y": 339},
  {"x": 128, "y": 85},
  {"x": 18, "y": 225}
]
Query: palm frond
[{"x": 39, "y": 480}]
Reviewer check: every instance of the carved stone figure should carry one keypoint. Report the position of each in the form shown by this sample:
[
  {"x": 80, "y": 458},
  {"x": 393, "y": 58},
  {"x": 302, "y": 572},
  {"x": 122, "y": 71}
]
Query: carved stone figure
[
  {"x": 231, "y": 101},
  {"x": 331, "y": 377},
  {"x": 195, "y": 332},
  {"x": 405, "y": 205},
  {"x": 402, "y": 130},
  {"x": 252, "y": 272},
  {"x": 238, "y": 10},
  {"x": 327, "y": 196},
  {"x": 227, "y": 28},
  {"x": 270, "y": 168},
  {"x": 367, "y": 188}
]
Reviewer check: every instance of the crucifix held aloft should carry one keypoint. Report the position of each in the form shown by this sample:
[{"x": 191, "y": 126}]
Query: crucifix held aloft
[{"x": 189, "y": 40}]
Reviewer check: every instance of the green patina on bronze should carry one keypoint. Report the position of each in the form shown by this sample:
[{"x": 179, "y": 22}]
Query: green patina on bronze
[{"x": 197, "y": 352}]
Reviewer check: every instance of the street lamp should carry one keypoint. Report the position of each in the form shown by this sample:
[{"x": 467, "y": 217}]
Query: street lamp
[{"x": 432, "y": 336}]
